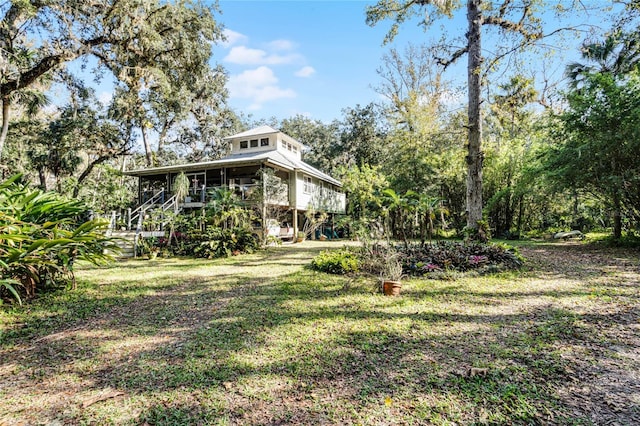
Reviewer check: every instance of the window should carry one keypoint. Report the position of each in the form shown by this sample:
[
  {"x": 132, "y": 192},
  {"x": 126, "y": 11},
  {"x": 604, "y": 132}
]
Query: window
[
  {"x": 264, "y": 142},
  {"x": 254, "y": 143},
  {"x": 244, "y": 144},
  {"x": 308, "y": 185},
  {"x": 289, "y": 146}
]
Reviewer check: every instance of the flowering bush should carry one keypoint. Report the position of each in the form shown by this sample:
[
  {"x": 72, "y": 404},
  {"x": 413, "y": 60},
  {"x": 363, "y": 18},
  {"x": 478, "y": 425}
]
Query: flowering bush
[{"x": 457, "y": 256}]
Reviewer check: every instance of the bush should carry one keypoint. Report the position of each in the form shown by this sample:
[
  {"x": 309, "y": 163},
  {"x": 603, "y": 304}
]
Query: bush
[
  {"x": 458, "y": 256},
  {"x": 41, "y": 236},
  {"x": 336, "y": 261},
  {"x": 216, "y": 242}
]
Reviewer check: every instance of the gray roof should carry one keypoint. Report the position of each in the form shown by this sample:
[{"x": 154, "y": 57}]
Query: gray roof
[
  {"x": 258, "y": 131},
  {"x": 273, "y": 157}
]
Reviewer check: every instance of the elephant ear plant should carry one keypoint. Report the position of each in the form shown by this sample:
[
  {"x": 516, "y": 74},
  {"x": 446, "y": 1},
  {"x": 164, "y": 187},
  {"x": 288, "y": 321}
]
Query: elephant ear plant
[{"x": 41, "y": 236}]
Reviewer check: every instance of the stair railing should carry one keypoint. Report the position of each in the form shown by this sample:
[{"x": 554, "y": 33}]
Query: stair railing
[{"x": 137, "y": 213}]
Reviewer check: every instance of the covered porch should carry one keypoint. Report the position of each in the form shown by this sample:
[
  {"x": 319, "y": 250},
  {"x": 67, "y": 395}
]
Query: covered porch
[{"x": 242, "y": 180}]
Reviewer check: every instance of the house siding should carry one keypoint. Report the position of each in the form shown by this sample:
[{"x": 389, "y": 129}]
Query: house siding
[{"x": 318, "y": 194}]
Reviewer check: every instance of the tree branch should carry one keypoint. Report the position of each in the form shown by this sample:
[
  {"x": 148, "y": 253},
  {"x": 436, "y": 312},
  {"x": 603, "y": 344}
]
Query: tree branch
[{"x": 454, "y": 57}]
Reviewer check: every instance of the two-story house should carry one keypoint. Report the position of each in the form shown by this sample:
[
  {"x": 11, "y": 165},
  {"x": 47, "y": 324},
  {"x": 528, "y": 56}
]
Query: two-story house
[{"x": 303, "y": 187}]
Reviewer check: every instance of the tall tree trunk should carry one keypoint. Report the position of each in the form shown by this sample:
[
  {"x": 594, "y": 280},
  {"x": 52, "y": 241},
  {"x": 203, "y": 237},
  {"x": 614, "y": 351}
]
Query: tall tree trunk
[
  {"x": 520, "y": 212},
  {"x": 617, "y": 216},
  {"x": 474, "y": 152},
  {"x": 147, "y": 147},
  {"x": 123, "y": 167},
  {"x": 6, "y": 104},
  {"x": 42, "y": 174}
]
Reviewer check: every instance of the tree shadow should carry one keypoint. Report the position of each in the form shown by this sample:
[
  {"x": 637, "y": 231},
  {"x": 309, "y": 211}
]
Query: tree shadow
[{"x": 304, "y": 348}]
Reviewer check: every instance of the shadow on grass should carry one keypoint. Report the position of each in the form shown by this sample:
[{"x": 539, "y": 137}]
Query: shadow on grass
[{"x": 304, "y": 347}]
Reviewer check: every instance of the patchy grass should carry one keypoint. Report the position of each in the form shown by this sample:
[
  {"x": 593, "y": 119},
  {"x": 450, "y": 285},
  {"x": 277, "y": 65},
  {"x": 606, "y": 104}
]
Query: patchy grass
[{"x": 260, "y": 339}]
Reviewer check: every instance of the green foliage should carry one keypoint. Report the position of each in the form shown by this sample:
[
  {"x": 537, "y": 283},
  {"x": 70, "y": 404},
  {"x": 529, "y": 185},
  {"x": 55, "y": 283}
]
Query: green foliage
[
  {"x": 225, "y": 210},
  {"x": 216, "y": 242},
  {"x": 41, "y": 236},
  {"x": 458, "y": 256},
  {"x": 597, "y": 135},
  {"x": 10, "y": 286},
  {"x": 630, "y": 240},
  {"x": 363, "y": 186},
  {"x": 341, "y": 261},
  {"x": 481, "y": 234},
  {"x": 181, "y": 186}
]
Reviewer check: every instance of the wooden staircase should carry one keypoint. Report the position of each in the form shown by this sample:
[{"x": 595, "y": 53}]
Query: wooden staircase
[
  {"x": 129, "y": 237},
  {"x": 126, "y": 242}
]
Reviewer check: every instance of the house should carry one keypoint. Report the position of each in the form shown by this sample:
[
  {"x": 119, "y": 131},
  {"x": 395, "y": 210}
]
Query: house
[{"x": 300, "y": 186}]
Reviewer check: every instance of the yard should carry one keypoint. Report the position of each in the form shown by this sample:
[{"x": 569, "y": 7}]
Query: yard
[{"x": 260, "y": 339}]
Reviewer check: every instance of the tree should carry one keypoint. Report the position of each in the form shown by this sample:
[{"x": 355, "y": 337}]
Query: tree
[
  {"x": 598, "y": 143},
  {"x": 511, "y": 127},
  {"x": 511, "y": 18},
  {"x": 363, "y": 186},
  {"x": 77, "y": 141},
  {"x": 618, "y": 53},
  {"x": 361, "y": 136},
  {"x": 412, "y": 85},
  {"x": 603, "y": 98},
  {"x": 321, "y": 140},
  {"x": 226, "y": 210},
  {"x": 132, "y": 39}
]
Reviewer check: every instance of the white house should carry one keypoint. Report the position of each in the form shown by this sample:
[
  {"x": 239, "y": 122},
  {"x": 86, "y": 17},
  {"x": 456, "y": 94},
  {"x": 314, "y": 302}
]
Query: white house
[{"x": 304, "y": 187}]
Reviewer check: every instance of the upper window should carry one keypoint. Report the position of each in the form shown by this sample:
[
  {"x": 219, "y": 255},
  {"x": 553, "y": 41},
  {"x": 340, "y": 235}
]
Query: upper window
[
  {"x": 254, "y": 143},
  {"x": 244, "y": 144},
  {"x": 264, "y": 142}
]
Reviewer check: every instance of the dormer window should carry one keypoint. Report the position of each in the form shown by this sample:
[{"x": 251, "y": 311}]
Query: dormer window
[
  {"x": 254, "y": 143},
  {"x": 264, "y": 142},
  {"x": 244, "y": 144}
]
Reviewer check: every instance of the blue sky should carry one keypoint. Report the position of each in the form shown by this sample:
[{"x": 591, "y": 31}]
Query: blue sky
[
  {"x": 304, "y": 57},
  {"x": 318, "y": 57}
]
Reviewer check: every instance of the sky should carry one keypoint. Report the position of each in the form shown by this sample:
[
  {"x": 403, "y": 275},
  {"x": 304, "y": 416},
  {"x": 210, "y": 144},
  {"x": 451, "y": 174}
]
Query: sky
[
  {"x": 303, "y": 57},
  {"x": 316, "y": 58}
]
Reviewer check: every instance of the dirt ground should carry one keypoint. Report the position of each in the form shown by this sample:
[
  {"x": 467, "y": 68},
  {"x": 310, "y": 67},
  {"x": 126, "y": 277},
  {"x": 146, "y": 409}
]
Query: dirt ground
[{"x": 605, "y": 357}]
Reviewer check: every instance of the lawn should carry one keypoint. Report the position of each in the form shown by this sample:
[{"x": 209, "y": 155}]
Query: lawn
[{"x": 261, "y": 339}]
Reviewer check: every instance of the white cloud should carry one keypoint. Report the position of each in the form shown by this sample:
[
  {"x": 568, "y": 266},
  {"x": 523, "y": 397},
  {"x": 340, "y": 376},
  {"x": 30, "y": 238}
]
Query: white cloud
[
  {"x": 281, "y": 45},
  {"x": 259, "y": 85},
  {"x": 233, "y": 37},
  {"x": 246, "y": 56},
  {"x": 305, "y": 72}
]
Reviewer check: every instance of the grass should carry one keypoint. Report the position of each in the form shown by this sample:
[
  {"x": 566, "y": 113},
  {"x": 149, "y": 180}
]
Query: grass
[{"x": 260, "y": 339}]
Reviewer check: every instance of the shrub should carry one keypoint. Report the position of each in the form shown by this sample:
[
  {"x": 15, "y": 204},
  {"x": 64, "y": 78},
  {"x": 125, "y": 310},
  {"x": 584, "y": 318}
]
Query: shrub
[
  {"x": 336, "y": 261},
  {"x": 458, "y": 256},
  {"x": 216, "y": 242},
  {"x": 41, "y": 236},
  {"x": 372, "y": 257}
]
